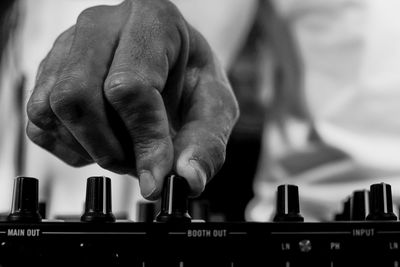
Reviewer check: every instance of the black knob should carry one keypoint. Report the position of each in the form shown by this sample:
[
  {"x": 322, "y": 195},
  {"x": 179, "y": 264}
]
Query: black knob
[
  {"x": 381, "y": 206},
  {"x": 25, "y": 204},
  {"x": 147, "y": 211},
  {"x": 287, "y": 204},
  {"x": 199, "y": 209},
  {"x": 98, "y": 200},
  {"x": 174, "y": 200},
  {"x": 345, "y": 214},
  {"x": 359, "y": 205}
]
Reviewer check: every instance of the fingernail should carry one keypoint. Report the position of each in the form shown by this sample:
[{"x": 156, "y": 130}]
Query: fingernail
[
  {"x": 200, "y": 174},
  {"x": 147, "y": 184}
]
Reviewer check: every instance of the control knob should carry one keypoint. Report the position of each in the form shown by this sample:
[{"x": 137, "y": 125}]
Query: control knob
[
  {"x": 287, "y": 204},
  {"x": 359, "y": 205},
  {"x": 147, "y": 211},
  {"x": 174, "y": 200},
  {"x": 25, "y": 202},
  {"x": 381, "y": 206},
  {"x": 98, "y": 200}
]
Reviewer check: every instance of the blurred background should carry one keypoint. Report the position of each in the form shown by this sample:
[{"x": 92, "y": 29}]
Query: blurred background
[{"x": 317, "y": 83}]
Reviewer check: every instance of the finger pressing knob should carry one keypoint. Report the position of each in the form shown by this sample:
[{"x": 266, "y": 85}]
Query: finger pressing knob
[{"x": 174, "y": 200}]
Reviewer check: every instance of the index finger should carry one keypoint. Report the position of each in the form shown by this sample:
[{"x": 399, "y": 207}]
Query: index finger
[{"x": 139, "y": 71}]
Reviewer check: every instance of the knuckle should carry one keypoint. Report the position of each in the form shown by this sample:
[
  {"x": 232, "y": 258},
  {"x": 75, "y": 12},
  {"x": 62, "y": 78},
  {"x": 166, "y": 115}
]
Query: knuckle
[
  {"x": 89, "y": 16},
  {"x": 66, "y": 36},
  {"x": 149, "y": 131},
  {"x": 68, "y": 100},
  {"x": 119, "y": 86},
  {"x": 40, "y": 137},
  {"x": 149, "y": 146},
  {"x": 176, "y": 14},
  {"x": 38, "y": 112},
  {"x": 32, "y": 134},
  {"x": 169, "y": 10},
  {"x": 155, "y": 7}
]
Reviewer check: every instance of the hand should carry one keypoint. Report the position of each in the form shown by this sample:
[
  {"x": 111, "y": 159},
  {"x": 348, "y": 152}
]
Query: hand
[{"x": 135, "y": 89}]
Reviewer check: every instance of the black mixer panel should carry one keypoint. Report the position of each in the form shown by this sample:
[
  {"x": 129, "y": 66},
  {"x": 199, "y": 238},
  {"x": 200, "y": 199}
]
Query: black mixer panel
[
  {"x": 172, "y": 239},
  {"x": 200, "y": 244}
]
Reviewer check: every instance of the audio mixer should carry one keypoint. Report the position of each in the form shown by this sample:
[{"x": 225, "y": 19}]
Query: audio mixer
[{"x": 365, "y": 234}]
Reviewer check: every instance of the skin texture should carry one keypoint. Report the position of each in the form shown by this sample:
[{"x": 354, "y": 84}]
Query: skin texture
[{"x": 137, "y": 90}]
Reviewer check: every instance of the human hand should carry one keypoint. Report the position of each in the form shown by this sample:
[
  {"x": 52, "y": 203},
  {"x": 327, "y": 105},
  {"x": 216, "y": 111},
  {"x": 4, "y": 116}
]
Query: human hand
[{"x": 135, "y": 89}]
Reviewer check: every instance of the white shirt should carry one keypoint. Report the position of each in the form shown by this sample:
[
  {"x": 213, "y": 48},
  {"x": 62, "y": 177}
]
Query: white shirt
[{"x": 351, "y": 55}]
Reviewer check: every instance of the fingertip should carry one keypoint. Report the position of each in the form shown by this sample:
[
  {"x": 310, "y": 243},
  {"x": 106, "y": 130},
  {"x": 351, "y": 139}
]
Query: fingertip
[
  {"x": 190, "y": 168},
  {"x": 151, "y": 181},
  {"x": 153, "y": 166},
  {"x": 148, "y": 186},
  {"x": 200, "y": 180}
]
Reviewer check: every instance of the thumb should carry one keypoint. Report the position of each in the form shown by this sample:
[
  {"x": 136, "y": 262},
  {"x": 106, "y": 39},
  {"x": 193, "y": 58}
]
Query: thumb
[{"x": 200, "y": 153}]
